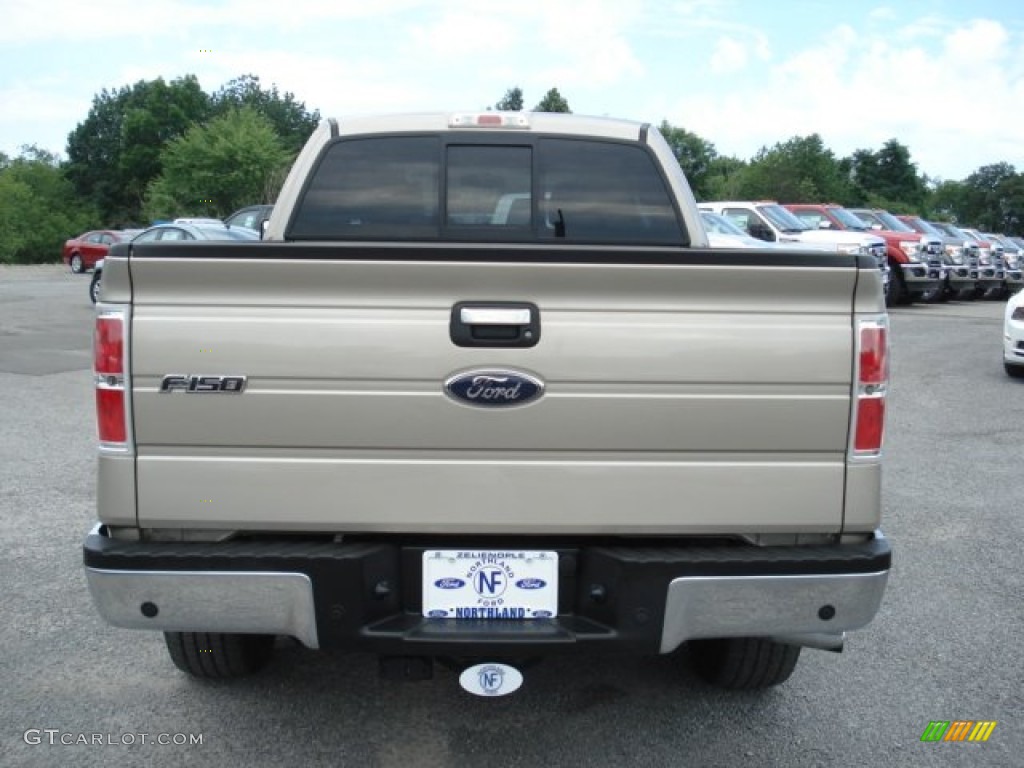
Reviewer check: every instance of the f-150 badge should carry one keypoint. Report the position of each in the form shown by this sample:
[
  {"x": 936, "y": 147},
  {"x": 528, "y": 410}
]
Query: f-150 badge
[
  {"x": 494, "y": 388},
  {"x": 201, "y": 384}
]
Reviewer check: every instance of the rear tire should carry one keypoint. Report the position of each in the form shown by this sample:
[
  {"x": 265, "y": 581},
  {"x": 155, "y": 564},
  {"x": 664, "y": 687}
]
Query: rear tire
[
  {"x": 1014, "y": 371},
  {"x": 94, "y": 286},
  {"x": 743, "y": 663},
  {"x": 218, "y": 656},
  {"x": 898, "y": 293}
]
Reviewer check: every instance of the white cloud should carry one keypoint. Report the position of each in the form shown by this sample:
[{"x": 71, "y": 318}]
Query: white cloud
[
  {"x": 729, "y": 56},
  {"x": 27, "y": 22},
  {"x": 955, "y": 102},
  {"x": 949, "y": 89}
]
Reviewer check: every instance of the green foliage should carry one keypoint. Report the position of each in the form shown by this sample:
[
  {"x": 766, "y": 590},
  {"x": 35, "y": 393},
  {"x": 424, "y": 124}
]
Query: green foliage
[
  {"x": 887, "y": 174},
  {"x": 724, "y": 178},
  {"x": 946, "y": 201},
  {"x": 993, "y": 199},
  {"x": 800, "y": 170},
  {"x": 38, "y": 208},
  {"x": 289, "y": 117},
  {"x": 696, "y": 156},
  {"x": 232, "y": 161},
  {"x": 553, "y": 101},
  {"x": 115, "y": 152},
  {"x": 512, "y": 101}
]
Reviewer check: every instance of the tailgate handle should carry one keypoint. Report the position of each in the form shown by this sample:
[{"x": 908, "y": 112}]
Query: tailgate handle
[
  {"x": 495, "y": 316},
  {"x": 495, "y": 324}
]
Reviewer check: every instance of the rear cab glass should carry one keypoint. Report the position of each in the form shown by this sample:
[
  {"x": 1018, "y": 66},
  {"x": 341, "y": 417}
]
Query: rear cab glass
[{"x": 472, "y": 187}]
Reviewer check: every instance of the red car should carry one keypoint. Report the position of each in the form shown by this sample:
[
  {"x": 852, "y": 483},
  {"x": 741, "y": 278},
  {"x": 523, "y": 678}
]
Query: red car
[{"x": 82, "y": 252}]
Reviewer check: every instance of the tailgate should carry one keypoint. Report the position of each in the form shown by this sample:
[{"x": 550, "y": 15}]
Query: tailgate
[{"x": 685, "y": 391}]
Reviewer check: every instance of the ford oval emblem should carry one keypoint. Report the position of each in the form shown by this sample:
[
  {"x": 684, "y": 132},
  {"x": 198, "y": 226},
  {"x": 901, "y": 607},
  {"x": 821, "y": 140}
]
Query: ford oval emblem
[
  {"x": 449, "y": 583},
  {"x": 494, "y": 388},
  {"x": 542, "y": 614},
  {"x": 437, "y": 614},
  {"x": 531, "y": 583}
]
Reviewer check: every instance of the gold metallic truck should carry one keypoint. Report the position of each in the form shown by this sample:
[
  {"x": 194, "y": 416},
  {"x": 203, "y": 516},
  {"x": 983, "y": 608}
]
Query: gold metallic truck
[{"x": 482, "y": 393}]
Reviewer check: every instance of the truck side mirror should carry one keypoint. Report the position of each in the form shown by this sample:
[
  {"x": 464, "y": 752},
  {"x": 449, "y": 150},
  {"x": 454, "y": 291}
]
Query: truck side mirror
[
  {"x": 264, "y": 226},
  {"x": 824, "y": 224}
]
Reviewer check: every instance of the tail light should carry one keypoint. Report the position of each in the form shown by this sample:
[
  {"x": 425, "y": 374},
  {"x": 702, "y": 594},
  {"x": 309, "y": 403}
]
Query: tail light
[
  {"x": 110, "y": 369},
  {"x": 871, "y": 386}
]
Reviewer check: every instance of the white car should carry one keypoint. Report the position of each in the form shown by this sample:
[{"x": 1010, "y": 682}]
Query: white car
[
  {"x": 1013, "y": 336},
  {"x": 722, "y": 233}
]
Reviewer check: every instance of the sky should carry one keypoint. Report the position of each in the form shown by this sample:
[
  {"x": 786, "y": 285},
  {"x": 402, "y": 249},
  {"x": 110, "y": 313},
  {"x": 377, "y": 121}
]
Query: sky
[{"x": 943, "y": 77}]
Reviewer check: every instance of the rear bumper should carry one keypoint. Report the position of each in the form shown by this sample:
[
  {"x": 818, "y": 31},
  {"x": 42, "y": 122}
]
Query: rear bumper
[{"x": 642, "y": 598}]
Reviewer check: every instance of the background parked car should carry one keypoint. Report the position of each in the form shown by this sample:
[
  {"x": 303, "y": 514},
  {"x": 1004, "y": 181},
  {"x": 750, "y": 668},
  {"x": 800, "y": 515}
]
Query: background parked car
[
  {"x": 1013, "y": 263},
  {"x": 915, "y": 261},
  {"x": 959, "y": 256},
  {"x": 990, "y": 263},
  {"x": 178, "y": 231},
  {"x": 722, "y": 233},
  {"x": 971, "y": 253},
  {"x": 1013, "y": 336},
  {"x": 81, "y": 253},
  {"x": 767, "y": 220},
  {"x": 250, "y": 217},
  {"x": 988, "y": 280}
]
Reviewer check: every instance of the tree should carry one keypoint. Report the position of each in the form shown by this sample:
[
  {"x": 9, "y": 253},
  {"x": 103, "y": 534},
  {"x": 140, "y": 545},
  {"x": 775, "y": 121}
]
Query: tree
[
  {"x": 289, "y": 117},
  {"x": 115, "y": 152},
  {"x": 991, "y": 198},
  {"x": 218, "y": 167},
  {"x": 38, "y": 208},
  {"x": 512, "y": 101},
  {"x": 947, "y": 201},
  {"x": 887, "y": 175},
  {"x": 799, "y": 170},
  {"x": 724, "y": 179},
  {"x": 695, "y": 156},
  {"x": 553, "y": 101}
]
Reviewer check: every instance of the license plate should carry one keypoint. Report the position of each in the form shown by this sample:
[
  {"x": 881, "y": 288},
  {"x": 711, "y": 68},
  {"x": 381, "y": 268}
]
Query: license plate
[{"x": 490, "y": 584}]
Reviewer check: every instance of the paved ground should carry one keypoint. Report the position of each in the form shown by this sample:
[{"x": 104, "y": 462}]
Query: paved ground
[{"x": 946, "y": 646}]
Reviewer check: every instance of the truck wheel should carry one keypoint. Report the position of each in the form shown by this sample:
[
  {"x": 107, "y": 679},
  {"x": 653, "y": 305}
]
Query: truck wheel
[
  {"x": 77, "y": 265},
  {"x": 898, "y": 293},
  {"x": 215, "y": 655},
  {"x": 743, "y": 663},
  {"x": 1014, "y": 371},
  {"x": 94, "y": 286}
]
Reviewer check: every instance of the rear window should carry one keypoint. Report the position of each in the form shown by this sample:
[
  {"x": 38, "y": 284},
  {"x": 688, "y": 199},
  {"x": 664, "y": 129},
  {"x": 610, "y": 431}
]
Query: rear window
[
  {"x": 376, "y": 188},
  {"x": 419, "y": 188}
]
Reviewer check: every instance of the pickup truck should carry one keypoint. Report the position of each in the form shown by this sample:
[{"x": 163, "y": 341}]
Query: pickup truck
[
  {"x": 769, "y": 221},
  {"x": 483, "y": 393},
  {"x": 915, "y": 260}
]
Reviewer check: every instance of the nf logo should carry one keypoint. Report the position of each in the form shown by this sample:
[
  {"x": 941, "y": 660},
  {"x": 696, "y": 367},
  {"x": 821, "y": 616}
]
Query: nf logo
[
  {"x": 491, "y": 679},
  {"x": 959, "y": 730},
  {"x": 494, "y": 388},
  {"x": 489, "y": 581}
]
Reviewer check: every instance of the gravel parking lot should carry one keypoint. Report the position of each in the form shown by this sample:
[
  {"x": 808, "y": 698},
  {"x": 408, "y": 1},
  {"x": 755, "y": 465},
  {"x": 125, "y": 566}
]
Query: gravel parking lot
[{"x": 945, "y": 647}]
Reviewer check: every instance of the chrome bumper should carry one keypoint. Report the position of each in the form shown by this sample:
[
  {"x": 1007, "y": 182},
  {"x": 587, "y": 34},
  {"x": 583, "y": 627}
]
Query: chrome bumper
[
  {"x": 770, "y": 606},
  {"x": 207, "y": 601}
]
